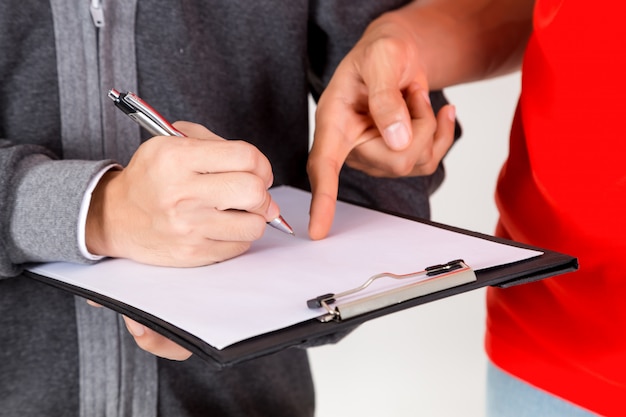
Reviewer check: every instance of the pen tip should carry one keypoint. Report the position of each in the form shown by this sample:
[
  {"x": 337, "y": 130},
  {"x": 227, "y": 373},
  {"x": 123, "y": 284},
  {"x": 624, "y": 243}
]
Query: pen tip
[{"x": 280, "y": 224}]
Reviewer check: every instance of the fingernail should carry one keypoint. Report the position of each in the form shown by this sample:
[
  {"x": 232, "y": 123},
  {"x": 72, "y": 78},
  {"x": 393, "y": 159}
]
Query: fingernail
[
  {"x": 397, "y": 135},
  {"x": 272, "y": 211},
  {"x": 426, "y": 96},
  {"x": 135, "y": 328},
  {"x": 452, "y": 113},
  {"x": 93, "y": 303}
]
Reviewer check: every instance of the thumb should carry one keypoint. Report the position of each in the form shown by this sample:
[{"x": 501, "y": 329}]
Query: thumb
[
  {"x": 383, "y": 77},
  {"x": 391, "y": 116}
]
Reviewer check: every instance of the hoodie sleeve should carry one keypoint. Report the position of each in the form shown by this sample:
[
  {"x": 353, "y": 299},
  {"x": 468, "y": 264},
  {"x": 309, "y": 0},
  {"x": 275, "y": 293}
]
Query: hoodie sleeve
[{"x": 40, "y": 200}]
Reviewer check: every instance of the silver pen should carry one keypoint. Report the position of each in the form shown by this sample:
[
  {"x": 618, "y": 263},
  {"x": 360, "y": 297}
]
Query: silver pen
[{"x": 148, "y": 118}]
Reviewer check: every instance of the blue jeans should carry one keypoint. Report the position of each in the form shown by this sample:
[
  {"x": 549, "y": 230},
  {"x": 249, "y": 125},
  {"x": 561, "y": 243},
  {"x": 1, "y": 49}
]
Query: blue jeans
[{"x": 510, "y": 397}]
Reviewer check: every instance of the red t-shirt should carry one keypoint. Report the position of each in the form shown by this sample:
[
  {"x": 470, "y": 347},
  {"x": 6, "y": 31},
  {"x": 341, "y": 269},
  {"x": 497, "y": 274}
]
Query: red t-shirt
[{"x": 563, "y": 187}]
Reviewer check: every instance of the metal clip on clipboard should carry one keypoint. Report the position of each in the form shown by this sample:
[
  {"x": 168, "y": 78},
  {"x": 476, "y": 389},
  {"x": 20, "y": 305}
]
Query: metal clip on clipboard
[{"x": 431, "y": 279}]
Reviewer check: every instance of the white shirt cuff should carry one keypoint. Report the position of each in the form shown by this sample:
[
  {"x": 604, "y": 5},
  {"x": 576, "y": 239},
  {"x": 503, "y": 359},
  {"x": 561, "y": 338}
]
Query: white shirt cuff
[{"x": 84, "y": 209}]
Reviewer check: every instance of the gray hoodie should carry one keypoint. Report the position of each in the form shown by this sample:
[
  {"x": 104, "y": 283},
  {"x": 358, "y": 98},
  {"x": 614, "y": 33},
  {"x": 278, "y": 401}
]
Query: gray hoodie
[{"x": 244, "y": 70}]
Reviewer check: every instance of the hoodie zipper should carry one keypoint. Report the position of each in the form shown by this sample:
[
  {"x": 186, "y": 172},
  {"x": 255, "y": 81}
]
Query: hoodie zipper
[
  {"x": 97, "y": 17},
  {"x": 97, "y": 14}
]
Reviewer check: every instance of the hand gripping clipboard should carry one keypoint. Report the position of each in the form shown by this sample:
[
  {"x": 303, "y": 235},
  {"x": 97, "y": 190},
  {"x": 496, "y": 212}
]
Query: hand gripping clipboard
[{"x": 342, "y": 312}]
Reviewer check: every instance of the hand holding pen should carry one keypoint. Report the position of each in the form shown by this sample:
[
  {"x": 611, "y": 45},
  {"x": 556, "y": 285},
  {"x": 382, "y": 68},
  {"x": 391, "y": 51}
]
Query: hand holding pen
[
  {"x": 189, "y": 201},
  {"x": 148, "y": 118}
]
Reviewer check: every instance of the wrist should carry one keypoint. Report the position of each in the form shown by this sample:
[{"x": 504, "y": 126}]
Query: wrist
[{"x": 98, "y": 237}]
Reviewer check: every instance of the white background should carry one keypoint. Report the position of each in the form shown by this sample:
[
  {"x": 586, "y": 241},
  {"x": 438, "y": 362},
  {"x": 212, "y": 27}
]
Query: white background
[{"x": 429, "y": 360}]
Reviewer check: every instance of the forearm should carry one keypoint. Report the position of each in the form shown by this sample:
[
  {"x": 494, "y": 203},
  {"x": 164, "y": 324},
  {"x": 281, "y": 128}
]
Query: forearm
[{"x": 465, "y": 40}]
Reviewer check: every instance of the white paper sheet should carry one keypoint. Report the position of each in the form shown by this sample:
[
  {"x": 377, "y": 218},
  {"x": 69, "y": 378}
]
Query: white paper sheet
[{"x": 267, "y": 288}]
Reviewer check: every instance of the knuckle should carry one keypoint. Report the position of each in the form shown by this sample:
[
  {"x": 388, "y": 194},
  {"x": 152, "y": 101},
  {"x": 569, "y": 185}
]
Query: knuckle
[
  {"x": 248, "y": 154},
  {"x": 429, "y": 169},
  {"x": 384, "y": 47},
  {"x": 161, "y": 148},
  {"x": 180, "y": 227},
  {"x": 318, "y": 163},
  {"x": 402, "y": 166},
  {"x": 379, "y": 100},
  {"x": 255, "y": 194}
]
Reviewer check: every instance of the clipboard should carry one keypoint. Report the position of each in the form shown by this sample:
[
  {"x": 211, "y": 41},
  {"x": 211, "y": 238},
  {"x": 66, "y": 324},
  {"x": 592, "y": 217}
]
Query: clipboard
[{"x": 434, "y": 282}]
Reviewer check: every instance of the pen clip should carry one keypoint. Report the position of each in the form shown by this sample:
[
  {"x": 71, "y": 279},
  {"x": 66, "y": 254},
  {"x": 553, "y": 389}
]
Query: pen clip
[{"x": 141, "y": 112}]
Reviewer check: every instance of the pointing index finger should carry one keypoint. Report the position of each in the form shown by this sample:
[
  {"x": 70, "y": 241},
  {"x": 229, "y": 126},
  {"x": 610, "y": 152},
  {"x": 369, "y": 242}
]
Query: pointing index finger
[{"x": 329, "y": 152}]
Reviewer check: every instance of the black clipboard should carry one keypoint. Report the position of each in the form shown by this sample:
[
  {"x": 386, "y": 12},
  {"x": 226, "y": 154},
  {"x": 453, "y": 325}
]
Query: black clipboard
[{"x": 309, "y": 332}]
